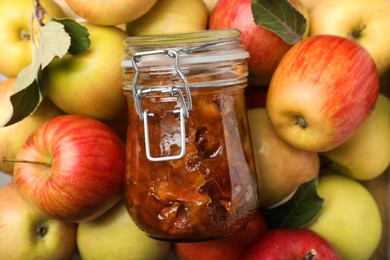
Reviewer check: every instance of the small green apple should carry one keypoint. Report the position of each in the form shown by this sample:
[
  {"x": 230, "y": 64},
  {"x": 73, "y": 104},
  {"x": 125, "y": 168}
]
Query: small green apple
[
  {"x": 13, "y": 137},
  {"x": 90, "y": 83},
  {"x": 16, "y": 46},
  {"x": 280, "y": 167},
  {"x": 114, "y": 235},
  {"x": 366, "y": 154},
  {"x": 350, "y": 218},
  {"x": 365, "y": 21},
  {"x": 171, "y": 16},
  {"x": 27, "y": 234}
]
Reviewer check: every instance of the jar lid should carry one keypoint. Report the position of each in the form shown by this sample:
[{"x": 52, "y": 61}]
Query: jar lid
[{"x": 194, "y": 48}]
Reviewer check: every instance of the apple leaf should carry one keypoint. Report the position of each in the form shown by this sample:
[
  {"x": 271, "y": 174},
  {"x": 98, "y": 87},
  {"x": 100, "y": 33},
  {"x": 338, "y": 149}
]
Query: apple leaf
[
  {"x": 79, "y": 35},
  {"x": 54, "y": 42},
  {"x": 281, "y": 17},
  {"x": 299, "y": 211}
]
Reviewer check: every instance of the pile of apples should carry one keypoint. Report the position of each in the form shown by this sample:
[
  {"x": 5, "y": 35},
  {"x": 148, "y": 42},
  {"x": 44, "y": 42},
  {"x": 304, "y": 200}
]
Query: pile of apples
[{"x": 318, "y": 108}]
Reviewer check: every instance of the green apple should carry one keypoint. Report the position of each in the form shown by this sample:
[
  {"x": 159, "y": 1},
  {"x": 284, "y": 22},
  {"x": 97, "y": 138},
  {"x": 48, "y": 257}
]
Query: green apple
[
  {"x": 13, "y": 137},
  {"x": 108, "y": 12},
  {"x": 280, "y": 167},
  {"x": 90, "y": 83},
  {"x": 16, "y": 45},
  {"x": 27, "y": 234},
  {"x": 366, "y": 154},
  {"x": 114, "y": 235},
  {"x": 350, "y": 218},
  {"x": 365, "y": 21},
  {"x": 171, "y": 16}
]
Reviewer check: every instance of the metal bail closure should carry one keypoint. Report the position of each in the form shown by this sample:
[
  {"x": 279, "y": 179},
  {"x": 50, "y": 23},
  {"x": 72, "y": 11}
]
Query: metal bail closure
[{"x": 183, "y": 111}]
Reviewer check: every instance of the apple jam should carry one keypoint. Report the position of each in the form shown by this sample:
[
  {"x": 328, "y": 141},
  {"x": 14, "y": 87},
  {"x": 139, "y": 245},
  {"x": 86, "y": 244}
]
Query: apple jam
[{"x": 189, "y": 168}]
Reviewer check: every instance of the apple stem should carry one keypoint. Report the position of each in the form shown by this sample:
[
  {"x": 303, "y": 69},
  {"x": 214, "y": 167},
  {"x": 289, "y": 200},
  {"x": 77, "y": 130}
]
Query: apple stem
[
  {"x": 312, "y": 253},
  {"x": 301, "y": 122},
  {"x": 5, "y": 160}
]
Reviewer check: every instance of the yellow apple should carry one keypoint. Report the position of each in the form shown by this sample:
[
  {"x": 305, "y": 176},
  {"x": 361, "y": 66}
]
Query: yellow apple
[
  {"x": 13, "y": 137},
  {"x": 310, "y": 4},
  {"x": 114, "y": 235},
  {"x": 366, "y": 22},
  {"x": 350, "y": 219},
  {"x": 280, "y": 167},
  {"x": 90, "y": 83},
  {"x": 16, "y": 45},
  {"x": 171, "y": 16},
  {"x": 110, "y": 13},
  {"x": 366, "y": 154}
]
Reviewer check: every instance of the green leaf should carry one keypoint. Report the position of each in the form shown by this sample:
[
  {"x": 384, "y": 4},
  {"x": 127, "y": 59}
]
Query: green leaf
[
  {"x": 299, "y": 211},
  {"x": 54, "y": 42},
  {"x": 281, "y": 17},
  {"x": 79, "y": 35}
]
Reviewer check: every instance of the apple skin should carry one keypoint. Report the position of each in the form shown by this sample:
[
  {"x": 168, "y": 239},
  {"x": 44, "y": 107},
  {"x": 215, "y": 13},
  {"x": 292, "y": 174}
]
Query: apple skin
[
  {"x": 279, "y": 244},
  {"x": 16, "y": 47},
  {"x": 114, "y": 235},
  {"x": 81, "y": 172},
  {"x": 366, "y": 154},
  {"x": 171, "y": 16},
  {"x": 350, "y": 218},
  {"x": 106, "y": 13},
  {"x": 90, "y": 83},
  {"x": 366, "y": 22},
  {"x": 265, "y": 48},
  {"x": 280, "y": 167},
  {"x": 22, "y": 230},
  {"x": 321, "y": 92},
  {"x": 228, "y": 248},
  {"x": 13, "y": 137}
]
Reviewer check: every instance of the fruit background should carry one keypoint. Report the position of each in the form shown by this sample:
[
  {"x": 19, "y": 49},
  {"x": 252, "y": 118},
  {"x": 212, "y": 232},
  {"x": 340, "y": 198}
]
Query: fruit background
[{"x": 343, "y": 157}]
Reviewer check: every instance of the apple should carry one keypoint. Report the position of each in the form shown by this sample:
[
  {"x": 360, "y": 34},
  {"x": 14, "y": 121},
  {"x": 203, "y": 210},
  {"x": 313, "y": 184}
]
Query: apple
[
  {"x": 13, "y": 137},
  {"x": 291, "y": 244},
  {"x": 310, "y": 4},
  {"x": 322, "y": 91},
  {"x": 71, "y": 168},
  {"x": 171, "y": 16},
  {"x": 366, "y": 154},
  {"x": 366, "y": 22},
  {"x": 350, "y": 218},
  {"x": 27, "y": 234},
  {"x": 280, "y": 167},
  {"x": 114, "y": 235},
  {"x": 90, "y": 83},
  {"x": 16, "y": 47},
  {"x": 228, "y": 248},
  {"x": 264, "y": 46},
  {"x": 106, "y": 13}
]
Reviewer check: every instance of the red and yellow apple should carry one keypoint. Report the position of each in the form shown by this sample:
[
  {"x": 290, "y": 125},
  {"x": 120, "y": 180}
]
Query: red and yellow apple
[
  {"x": 280, "y": 167},
  {"x": 71, "y": 168},
  {"x": 321, "y": 92},
  {"x": 16, "y": 46},
  {"x": 90, "y": 83},
  {"x": 109, "y": 13},
  {"x": 25, "y": 233},
  {"x": 171, "y": 16},
  {"x": 264, "y": 46},
  {"x": 13, "y": 137}
]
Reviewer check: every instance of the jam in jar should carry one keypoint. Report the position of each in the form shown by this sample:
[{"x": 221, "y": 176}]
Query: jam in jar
[{"x": 189, "y": 168}]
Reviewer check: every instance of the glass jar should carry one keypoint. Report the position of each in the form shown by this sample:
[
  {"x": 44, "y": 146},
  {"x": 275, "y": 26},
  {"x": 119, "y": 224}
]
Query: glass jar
[{"x": 189, "y": 171}]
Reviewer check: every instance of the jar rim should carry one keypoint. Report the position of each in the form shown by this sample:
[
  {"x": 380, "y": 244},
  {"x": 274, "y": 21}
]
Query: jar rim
[{"x": 186, "y": 37}]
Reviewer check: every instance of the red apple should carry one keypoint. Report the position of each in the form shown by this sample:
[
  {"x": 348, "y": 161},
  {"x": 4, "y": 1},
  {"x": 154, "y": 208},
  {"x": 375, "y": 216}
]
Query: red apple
[
  {"x": 322, "y": 91},
  {"x": 71, "y": 168},
  {"x": 228, "y": 248},
  {"x": 264, "y": 46},
  {"x": 280, "y": 244}
]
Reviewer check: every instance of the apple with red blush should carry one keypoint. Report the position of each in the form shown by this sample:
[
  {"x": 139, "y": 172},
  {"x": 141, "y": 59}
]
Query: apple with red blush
[
  {"x": 71, "y": 168},
  {"x": 228, "y": 248},
  {"x": 300, "y": 243}
]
